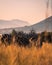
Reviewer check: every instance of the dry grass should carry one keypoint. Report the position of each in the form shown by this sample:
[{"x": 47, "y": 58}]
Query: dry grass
[{"x": 15, "y": 55}]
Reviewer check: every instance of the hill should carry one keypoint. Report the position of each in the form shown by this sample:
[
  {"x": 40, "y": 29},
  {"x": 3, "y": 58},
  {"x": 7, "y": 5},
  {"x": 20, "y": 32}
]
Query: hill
[
  {"x": 39, "y": 27},
  {"x": 12, "y": 23}
]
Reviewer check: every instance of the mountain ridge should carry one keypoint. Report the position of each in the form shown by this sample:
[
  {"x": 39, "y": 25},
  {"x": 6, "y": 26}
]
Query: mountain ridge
[
  {"x": 12, "y": 23},
  {"x": 39, "y": 27}
]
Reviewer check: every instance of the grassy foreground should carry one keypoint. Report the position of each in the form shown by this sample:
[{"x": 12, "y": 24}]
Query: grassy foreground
[{"x": 15, "y": 55}]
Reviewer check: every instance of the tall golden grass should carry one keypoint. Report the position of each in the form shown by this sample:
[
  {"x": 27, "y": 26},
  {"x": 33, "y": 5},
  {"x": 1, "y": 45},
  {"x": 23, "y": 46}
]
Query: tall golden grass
[{"x": 15, "y": 55}]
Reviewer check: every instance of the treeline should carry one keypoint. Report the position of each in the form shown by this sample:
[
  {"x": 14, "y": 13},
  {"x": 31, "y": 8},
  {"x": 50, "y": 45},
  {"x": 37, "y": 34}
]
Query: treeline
[{"x": 26, "y": 39}]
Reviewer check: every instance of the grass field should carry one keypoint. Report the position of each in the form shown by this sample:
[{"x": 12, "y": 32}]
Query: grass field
[{"x": 15, "y": 55}]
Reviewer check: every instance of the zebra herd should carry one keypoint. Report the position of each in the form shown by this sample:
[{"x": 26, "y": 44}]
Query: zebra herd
[{"x": 24, "y": 39}]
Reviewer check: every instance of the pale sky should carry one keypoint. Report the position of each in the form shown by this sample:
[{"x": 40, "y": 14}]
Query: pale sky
[{"x": 32, "y": 11}]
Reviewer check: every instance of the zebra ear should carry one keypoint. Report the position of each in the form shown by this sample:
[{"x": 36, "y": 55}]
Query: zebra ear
[{"x": 30, "y": 39}]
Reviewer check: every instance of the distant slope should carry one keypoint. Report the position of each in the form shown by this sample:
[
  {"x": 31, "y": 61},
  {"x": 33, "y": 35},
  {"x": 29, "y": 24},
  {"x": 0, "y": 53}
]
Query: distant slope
[
  {"x": 39, "y": 27},
  {"x": 43, "y": 25},
  {"x": 12, "y": 23}
]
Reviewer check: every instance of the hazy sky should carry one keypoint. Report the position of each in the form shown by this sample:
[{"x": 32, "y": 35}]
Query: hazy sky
[{"x": 28, "y": 10}]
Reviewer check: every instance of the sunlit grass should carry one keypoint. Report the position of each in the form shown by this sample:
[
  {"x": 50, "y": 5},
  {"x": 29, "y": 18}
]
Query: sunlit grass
[{"x": 15, "y": 55}]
